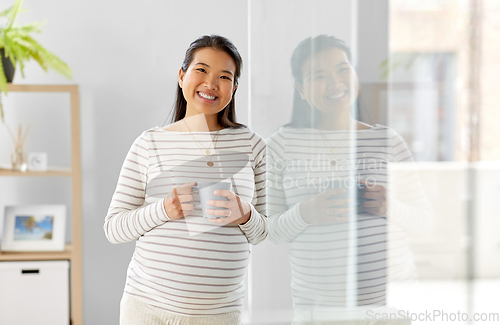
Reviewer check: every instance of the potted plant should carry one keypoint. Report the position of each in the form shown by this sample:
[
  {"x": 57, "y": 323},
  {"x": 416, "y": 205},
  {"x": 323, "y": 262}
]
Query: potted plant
[{"x": 17, "y": 46}]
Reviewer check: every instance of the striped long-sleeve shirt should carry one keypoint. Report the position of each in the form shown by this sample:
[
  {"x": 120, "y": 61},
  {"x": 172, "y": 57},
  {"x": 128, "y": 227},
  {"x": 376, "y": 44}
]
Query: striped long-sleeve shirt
[
  {"x": 188, "y": 266},
  {"x": 344, "y": 263}
]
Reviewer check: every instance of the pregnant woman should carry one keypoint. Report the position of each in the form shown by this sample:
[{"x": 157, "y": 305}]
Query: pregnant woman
[{"x": 187, "y": 269}]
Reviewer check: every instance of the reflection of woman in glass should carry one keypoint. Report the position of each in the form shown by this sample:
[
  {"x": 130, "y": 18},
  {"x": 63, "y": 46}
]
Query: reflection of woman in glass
[
  {"x": 187, "y": 269},
  {"x": 334, "y": 195}
]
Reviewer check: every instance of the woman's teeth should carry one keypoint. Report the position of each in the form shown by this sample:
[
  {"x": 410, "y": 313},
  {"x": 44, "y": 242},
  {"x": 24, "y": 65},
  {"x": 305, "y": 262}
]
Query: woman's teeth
[
  {"x": 206, "y": 96},
  {"x": 337, "y": 95}
]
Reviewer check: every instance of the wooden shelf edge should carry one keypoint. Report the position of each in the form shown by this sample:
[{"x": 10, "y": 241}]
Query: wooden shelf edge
[
  {"x": 50, "y": 172},
  {"x": 42, "y": 88},
  {"x": 66, "y": 254}
]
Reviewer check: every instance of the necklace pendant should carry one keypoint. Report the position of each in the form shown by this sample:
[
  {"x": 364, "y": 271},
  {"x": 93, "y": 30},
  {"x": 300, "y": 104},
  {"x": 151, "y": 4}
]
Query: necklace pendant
[
  {"x": 333, "y": 150},
  {"x": 207, "y": 152},
  {"x": 210, "y": 164}
]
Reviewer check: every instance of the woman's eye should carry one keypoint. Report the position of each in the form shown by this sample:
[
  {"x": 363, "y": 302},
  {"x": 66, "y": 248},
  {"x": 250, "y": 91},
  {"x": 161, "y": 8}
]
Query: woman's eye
[
  {"x": 201, "y": 70},
  {"x": 225, "y": 77},
  {"x": 319, "y": 77},
  {"x": 343, "y": 69}
]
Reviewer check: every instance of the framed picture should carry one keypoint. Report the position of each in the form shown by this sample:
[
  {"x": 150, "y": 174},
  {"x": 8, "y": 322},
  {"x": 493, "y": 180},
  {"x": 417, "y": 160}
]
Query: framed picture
[{"x": 34, "y": 228}]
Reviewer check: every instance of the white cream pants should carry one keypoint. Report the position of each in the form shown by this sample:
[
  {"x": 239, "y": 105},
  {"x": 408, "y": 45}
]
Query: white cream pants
[{"x": 136, "y": 312}]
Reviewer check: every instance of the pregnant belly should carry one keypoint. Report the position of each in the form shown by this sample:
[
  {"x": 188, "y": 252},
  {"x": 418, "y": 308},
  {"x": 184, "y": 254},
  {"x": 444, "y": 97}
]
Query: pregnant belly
[{"x": 175, "y": 254}]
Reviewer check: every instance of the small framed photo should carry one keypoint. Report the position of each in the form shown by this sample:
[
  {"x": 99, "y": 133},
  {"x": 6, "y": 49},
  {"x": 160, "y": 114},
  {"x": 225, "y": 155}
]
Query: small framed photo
[{"x": 32, "y": 228}]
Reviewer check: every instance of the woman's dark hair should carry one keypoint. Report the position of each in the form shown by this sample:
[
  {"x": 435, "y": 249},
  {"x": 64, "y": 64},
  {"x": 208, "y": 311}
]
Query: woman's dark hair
[
  {"x": 226, "y": 117},
  {"x": 302, "y": 114}
]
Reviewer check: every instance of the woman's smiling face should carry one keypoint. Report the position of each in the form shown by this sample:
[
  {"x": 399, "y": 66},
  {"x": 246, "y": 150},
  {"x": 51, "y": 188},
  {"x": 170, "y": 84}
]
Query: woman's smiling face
[
  {"x": 329, "y": 82},
  {"x": 208, "y": 83}
]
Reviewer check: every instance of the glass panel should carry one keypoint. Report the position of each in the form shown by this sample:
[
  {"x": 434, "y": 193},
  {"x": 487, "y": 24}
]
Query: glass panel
[
  {"x": 423, "y": 98},
  {"x": 380, "y": 201}
]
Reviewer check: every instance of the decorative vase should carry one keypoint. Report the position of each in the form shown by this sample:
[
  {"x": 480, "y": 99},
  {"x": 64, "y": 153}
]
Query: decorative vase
[
  {"x": 18, "y": 159},
  {"x": 8, "y": 68}
]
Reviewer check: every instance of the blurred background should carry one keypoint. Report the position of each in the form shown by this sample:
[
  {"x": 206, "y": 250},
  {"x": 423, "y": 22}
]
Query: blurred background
[{"x": 428, "y": 69}]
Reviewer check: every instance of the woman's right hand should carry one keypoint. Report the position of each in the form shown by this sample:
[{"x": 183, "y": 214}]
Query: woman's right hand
[
  {"x": 323, "y": 209},
  {"x": 178, "y": 203}
]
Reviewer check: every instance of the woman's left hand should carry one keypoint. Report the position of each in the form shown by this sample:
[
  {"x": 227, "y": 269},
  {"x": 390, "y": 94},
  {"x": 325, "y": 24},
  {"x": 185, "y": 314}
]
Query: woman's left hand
[
  {"x": 236, "y": 211},
  {"x": 377, "y": 202}
]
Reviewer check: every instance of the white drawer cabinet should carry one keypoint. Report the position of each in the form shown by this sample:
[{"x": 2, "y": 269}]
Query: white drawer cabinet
[{"x": 34, "y": 292}]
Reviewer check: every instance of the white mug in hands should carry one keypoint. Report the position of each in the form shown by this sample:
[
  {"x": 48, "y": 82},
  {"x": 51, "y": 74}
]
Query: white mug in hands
[{"x": 206, "y": 191}]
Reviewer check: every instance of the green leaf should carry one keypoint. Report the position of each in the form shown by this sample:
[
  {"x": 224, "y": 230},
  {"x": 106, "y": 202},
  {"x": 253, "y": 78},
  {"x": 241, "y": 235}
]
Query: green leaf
[
  {"x": 51, "y": 60},
  {"x": 14, "y": 12},
  {"x": 31, "y": 28},
  {"x": 6, "y": 12}
]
